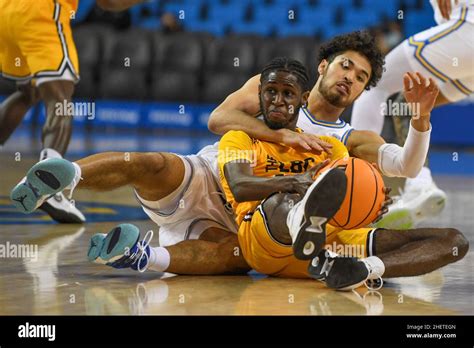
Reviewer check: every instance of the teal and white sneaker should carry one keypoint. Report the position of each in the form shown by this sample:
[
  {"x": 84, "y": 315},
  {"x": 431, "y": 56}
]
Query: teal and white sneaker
[
  {"x": 41, "y": 189},
  {"x": 121, "y": 248},
  {"x": 43, "y": 180}
]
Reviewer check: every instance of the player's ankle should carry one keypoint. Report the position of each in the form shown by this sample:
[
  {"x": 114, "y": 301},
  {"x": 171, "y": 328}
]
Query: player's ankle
[
  {"x": 160, "y": 259},
  {"x": 375, "y": 265}
]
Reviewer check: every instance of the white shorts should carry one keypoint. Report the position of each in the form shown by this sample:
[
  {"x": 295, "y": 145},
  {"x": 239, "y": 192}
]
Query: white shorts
[
  {"x": 446, "y": 52},
  {"x": 200, "y": 204}
]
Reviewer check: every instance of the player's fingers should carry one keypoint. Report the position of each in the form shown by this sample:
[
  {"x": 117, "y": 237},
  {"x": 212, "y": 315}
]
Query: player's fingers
[
  {"x": 315, "y": 146},
  {"x": 304, "y": 144},
  {"x": 387, "y": 190},
  {"x": 448, "y": 9},
  {"x": 442, "y": 8},
  {"x": 422, "y": 79},
  {"x": 433, "y": 85},
  {"x": 406, "y": 82},
  {"x": 320, "y": 144},
  {"x": 416, "y": 80}
]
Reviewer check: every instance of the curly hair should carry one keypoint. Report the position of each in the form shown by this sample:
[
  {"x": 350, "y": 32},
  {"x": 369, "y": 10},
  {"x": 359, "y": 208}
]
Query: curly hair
[{"x": 361, "y": 42}]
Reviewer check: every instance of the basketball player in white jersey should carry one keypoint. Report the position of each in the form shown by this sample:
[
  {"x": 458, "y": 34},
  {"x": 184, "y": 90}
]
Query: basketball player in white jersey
[
  {"x": 445, "y": 53},
  {"x": 163, "y": 181}
]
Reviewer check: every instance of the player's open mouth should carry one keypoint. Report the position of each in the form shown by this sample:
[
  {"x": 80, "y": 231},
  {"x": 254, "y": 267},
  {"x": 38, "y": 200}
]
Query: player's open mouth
[{"x": 343, "y": 88}]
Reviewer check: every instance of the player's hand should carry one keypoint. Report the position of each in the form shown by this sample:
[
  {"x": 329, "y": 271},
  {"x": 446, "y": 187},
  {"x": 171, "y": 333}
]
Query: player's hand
[
  {"x": 304, "y": 181},
  {"x": 445, "y": 8},
  {"x": 384, "y": 209},
  {"x": 421, "y": 95},
  {"x": 304, "y": 142}
]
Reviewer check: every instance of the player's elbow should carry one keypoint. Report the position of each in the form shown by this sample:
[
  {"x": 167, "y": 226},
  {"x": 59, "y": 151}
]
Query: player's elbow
[
  {"x": 238, "y": 191},
  {"x": 215, "y": 125}
]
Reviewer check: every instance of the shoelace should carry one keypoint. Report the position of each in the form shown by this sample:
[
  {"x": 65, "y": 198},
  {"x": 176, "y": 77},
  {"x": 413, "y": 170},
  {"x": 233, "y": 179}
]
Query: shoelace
[
  {"x": 374, "y": 284},
  {"x": 141, "y": 253}
]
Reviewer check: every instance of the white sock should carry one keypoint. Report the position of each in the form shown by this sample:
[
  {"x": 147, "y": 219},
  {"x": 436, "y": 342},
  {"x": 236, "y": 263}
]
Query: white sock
[
  {"x": 49, "y": 153},
  {"x": 376, "y": 266},
  {"x": 159, "y": 259}
]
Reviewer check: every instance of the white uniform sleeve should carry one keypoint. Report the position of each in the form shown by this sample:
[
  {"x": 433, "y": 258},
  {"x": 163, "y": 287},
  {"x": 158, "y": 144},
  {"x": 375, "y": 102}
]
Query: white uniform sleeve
[{"x": 408, "y": 160}]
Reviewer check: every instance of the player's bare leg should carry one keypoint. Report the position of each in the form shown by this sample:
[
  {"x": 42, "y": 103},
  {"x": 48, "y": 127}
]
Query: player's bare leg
[
  {"x": 154, "y": 175},
  {"x": 419, "y": 251},
  {"x": 276, "y": 208},
  {"x": 208, "y": 255},
  {"x": 58, "y": 126},
  {"x": 216, "y": 251},
  {"x": 14, "y": 108}
]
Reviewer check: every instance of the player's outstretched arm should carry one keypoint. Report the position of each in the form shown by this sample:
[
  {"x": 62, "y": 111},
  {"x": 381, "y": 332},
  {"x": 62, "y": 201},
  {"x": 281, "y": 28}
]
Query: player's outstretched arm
[
  {"x": 117, "y": 5},
  {"x": 392, "y": 159},
  {"x": 247, "y": 187},
  {"x": 239, "y": 111}
]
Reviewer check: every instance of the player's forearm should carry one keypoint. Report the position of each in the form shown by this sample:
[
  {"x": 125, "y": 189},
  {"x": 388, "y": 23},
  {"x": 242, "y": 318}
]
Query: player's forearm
[
  {"x": 408, "y": 160},
  {"x": 238, "y": 120},
  {"x": 253, "y": 188},
  {"x": 117, "y": 5}
]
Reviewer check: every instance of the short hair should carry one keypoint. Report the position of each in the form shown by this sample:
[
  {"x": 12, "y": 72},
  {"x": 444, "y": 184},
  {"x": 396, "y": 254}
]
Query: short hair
[
  {"x": 290, "y": 65},
  {"x": 361, "y": 42}
]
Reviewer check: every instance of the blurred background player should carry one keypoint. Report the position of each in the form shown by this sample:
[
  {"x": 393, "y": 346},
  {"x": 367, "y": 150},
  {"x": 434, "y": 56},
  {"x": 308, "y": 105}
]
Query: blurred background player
[
  {"x": 444, "y": 52},
  {"x": 37, "y": 51}
]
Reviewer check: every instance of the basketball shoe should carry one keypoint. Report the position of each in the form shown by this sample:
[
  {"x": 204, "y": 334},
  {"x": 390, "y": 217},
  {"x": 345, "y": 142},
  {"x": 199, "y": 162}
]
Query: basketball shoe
[
  {"x": 345, "y": 273},
  {"x": 307, "y": 219},
  {"x": 42, "y": 189},
  {"x": 420, "y": 200},
  {"x": 121, "y": 248}
]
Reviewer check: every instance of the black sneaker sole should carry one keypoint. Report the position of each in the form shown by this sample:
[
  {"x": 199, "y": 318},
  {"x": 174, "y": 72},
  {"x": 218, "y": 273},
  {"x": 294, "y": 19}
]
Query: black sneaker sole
[
  {"x": 324, "y": 201},
  {"x": 346, "y": 273},
  {"x": 60, "y": 215}
]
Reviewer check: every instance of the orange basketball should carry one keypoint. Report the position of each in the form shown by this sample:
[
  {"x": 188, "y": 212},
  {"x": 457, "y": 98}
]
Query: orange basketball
[{"x": 364, "y": 195}]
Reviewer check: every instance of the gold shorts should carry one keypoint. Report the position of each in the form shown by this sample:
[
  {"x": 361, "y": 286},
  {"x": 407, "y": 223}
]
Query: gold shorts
[
  {"x": 266, "y": 255},
  {"x": 36, "y": 41}
]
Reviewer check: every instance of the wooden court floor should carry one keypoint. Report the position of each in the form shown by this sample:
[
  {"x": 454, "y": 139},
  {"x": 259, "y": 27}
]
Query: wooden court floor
[{"x": 59, "y": 280}]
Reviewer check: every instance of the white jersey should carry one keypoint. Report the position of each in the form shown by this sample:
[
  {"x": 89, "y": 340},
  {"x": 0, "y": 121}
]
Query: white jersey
[
  {"x": 456, "y": 11},
  {"x": 308, "y": 123}
]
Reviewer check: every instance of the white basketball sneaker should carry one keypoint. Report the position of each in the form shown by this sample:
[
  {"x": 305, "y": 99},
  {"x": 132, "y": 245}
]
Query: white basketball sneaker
[
  {"x": 62, "y": 210},
  {"x": 418, "y": 202},
  {"x": 307, "y": 219}
]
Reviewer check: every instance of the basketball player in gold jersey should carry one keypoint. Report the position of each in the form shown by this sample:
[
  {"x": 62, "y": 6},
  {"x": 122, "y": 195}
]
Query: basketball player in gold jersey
[
  {"x": 38, "y": 52},
  {"x": 265, "y": 238}
]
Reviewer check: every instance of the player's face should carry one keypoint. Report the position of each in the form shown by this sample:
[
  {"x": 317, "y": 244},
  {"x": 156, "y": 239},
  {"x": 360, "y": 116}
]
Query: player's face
[
  {"x": 280, "y": 99},
  {"x": 344, "y": 79}
]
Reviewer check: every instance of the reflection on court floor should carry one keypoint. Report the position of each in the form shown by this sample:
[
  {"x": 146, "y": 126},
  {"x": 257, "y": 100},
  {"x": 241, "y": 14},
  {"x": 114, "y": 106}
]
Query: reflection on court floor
[{"x": 55, "y": 277}]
